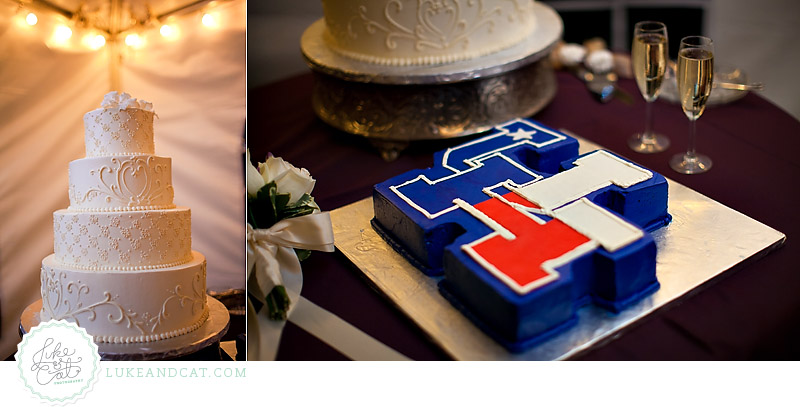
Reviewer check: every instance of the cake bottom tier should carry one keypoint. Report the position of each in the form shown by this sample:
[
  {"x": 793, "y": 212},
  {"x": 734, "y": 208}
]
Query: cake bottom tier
[{"x": 127, "y": 306}]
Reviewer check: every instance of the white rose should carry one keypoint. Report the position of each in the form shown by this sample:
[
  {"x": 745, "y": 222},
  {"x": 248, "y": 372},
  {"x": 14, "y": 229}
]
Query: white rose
[
  {"x": 288, "y": 178},
  {"x": 115, "y": 100},
  {"x": 254, "y": 180},
  {"x": 110, "y": 99}
]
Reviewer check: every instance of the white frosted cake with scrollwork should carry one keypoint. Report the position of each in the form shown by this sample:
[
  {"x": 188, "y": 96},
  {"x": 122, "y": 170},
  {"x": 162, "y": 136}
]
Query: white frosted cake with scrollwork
[
  {"x": 425, "y": 32},
  {"x": 123, "y": 265}
]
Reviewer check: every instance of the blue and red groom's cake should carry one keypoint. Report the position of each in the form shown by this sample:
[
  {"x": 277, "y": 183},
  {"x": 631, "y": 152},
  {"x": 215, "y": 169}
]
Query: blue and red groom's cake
[{"x": 525, "y": 231}]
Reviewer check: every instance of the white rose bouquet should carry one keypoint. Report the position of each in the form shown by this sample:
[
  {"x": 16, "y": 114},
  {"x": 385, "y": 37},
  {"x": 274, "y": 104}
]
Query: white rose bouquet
[{"x": 283, "y": 225}]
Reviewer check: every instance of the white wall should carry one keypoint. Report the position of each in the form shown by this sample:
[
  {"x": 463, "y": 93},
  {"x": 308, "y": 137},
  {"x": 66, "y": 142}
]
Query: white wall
[{"x": 761, "y": 37}]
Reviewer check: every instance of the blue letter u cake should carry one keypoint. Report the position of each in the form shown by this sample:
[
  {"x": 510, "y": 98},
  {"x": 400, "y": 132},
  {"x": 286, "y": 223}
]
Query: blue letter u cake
[{"x": 525, "y": 231}]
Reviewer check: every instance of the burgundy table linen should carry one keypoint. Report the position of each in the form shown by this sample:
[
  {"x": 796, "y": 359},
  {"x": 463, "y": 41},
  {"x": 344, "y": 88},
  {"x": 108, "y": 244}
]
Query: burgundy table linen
[{"x": 749, "y": 312}]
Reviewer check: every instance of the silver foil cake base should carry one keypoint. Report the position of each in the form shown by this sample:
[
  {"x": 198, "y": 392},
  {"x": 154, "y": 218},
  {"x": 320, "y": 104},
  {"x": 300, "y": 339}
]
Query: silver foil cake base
[
  {"x": 212, "y": 331},
  {"x": 395, "y": 105},
  {"x": 704, "y": 240}
]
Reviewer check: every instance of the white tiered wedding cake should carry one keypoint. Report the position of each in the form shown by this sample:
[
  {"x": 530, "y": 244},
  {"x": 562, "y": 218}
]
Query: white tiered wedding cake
[{"x": 123, "y": 266}]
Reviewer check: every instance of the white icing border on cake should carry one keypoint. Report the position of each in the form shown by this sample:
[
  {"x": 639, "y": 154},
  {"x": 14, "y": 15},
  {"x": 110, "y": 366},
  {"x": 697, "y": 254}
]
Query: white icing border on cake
[
  {"x": 487, "y": 220},
  {"x": 123, "y": 208},
  {"x": 125, "y": 268},
  {"x": 525, "y": 210},
  {"x": 477, "y": 161},
  {"x": 422, "y": 60},
  {"x": 156, "y": 337}
]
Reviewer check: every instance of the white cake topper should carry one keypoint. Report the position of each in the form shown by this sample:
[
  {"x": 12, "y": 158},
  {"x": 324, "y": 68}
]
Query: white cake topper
[{"x": 114, "y": 99}]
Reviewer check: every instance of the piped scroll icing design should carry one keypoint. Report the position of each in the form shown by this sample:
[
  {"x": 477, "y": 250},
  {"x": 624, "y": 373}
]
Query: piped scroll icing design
[
  {"x": 197, "y": 300},
  {"x": 133, "y": 182},
  {"x": 63, "y": 299},
  {"x": 438, "y": 26}
]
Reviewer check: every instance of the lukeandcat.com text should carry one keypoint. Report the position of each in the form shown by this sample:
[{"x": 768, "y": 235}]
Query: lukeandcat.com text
[{"x": 199, "y": 372}]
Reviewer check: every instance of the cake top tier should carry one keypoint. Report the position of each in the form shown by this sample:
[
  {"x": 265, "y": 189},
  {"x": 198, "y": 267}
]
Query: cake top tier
[
  {"x": 122, "y": 125},
  {"x": 425, "y": 32}
]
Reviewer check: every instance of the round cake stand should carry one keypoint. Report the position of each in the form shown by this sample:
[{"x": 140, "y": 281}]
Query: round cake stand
[
  {"x": 395, "y": 105},
  {"x": 215, "y": 327}
]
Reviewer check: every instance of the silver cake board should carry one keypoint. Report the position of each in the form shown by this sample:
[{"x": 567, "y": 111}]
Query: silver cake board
[
  {"x": 704, "y": 240},
  {"x": 212, "y": 331}
]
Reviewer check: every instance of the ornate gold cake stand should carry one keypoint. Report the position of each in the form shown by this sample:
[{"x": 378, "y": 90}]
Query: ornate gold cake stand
[
  {"x": 211, "y": 332},
  {"x": 395, "y": 105}
]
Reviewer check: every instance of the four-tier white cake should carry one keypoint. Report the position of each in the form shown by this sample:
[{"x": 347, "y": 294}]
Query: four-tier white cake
[{"x": 123, "y": 265}]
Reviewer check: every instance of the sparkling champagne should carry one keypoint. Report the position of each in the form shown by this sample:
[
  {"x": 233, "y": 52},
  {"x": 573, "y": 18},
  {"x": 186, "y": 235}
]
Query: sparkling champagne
[
  {"x": 695, "y": 77},
  {"x": 649, "y": 58}
]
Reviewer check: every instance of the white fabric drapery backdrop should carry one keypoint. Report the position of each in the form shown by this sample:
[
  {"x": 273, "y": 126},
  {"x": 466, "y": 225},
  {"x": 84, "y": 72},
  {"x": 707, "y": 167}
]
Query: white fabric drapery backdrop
[{"x": 198, "y": 88}]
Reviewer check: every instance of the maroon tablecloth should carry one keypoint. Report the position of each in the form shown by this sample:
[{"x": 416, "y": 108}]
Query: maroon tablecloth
[{"x": 750, "y": 312}]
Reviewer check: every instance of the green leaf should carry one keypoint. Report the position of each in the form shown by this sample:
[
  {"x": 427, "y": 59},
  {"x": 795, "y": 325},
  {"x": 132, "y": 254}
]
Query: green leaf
[
  {"x": 269, "y": 207},
  {"x": 279, "y": 201},
  {"x": 304, "y": 206},
  {"x": 302, "y": 254},
  {"x": 306, "y": 200}
]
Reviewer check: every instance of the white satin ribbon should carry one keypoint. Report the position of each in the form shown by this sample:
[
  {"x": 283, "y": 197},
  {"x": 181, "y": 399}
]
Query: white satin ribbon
[
  {"x": 272, "y": 261},
  {"x": 340, "y": 335}
]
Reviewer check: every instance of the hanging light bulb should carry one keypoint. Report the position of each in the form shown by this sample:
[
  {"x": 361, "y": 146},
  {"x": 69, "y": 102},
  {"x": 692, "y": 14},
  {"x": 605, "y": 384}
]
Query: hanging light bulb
[
  {"x": 61, "y": 34},
  {"x": 168, "y": 31},
  {"x": 210, "y": 20},
  {"x": 31, "y": 19},
  {"x": 134, "y": 40},
  {"x": 94, "y": 41}
]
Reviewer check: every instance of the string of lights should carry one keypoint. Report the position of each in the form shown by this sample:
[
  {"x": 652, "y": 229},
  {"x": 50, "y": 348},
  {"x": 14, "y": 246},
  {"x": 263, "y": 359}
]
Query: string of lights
[{"x": 93, "y": 25}]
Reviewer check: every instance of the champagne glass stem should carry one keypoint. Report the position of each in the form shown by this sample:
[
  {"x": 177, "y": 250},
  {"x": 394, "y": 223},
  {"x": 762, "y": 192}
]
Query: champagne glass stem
[
  {"x": 648, "y": 141},
  {"x": 648, "y": 137},
  {"x": 691, "y": 153}
]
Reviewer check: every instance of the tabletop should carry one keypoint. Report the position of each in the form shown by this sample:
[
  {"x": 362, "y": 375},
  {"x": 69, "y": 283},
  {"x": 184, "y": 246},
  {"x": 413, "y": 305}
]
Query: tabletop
[{"x": 751, "y": 312}]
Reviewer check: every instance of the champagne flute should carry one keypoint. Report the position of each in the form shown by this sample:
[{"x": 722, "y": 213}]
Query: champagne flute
[
  {"x": 695, "y": 78},
  {"x": 649, "y": 59}
]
